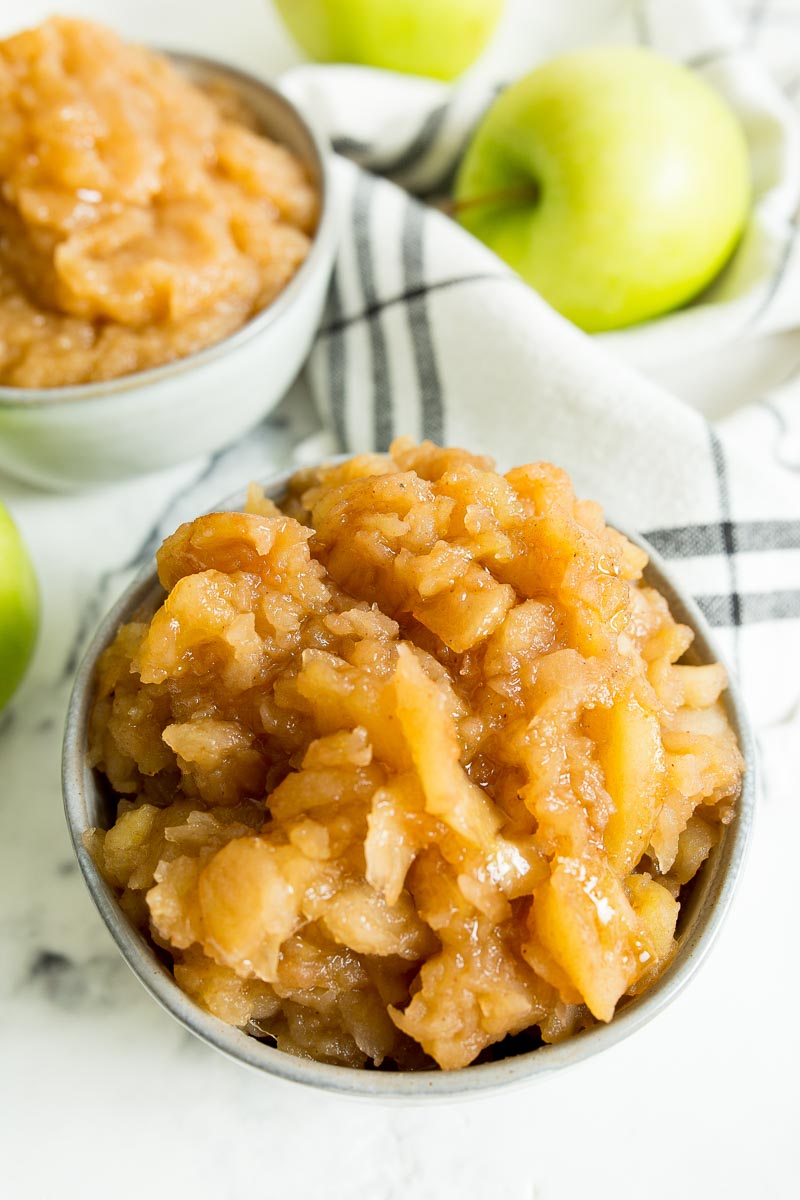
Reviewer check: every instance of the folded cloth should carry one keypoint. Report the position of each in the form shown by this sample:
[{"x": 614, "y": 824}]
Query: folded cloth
[{"x": 428, "y": 333}]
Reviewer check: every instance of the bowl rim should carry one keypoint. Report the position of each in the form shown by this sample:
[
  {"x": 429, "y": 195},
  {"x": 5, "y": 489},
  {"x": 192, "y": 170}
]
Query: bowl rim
[
  {"x": 23, "y": 398},
  {"x": 721, "y": 874}
]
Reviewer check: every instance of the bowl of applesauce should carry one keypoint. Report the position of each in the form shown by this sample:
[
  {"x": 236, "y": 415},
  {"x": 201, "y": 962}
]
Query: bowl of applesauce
[
  {"x": 401, "y": 777},
  {"x": 166, "y": 242}
]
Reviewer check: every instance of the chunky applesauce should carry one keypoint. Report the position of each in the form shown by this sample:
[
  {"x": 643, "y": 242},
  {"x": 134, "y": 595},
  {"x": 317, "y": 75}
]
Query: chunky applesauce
[
  {"x": 411, "y": 764},
  {"x": 141, "y": 219}
]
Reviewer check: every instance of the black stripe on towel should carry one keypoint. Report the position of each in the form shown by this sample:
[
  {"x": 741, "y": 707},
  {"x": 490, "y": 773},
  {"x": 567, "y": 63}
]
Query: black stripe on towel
[
  {"x": 419, "y": 145},
  {"x": 754, "y": 607},
  {"x": 446, "y": 177},
  {"x": 352, "y": 148},
  {"x": 427, "y": 370},
  {"x": 337, "y": 356},
  {"x": 727, "y": 526},
  {"x": 749, "y": 537},
  {"x": 381, "y": 387},
  {"x": 424, "y": 289}
]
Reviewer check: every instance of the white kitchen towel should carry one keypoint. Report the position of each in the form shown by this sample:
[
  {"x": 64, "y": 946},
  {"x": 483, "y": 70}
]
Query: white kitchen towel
[{"x": 427, "y": 333}]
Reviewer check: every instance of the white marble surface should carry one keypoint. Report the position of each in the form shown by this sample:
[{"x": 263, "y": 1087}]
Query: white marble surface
[{"x": 102, "y": 1094}]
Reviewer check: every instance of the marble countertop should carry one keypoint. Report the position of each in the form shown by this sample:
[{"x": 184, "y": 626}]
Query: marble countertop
[{"x": 103, "y": 1094}]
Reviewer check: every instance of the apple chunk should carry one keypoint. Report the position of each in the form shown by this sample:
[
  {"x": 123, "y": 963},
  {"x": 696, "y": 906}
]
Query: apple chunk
[
  {"x": 633, "y": 761},
  {"x": 584, "y": 920}
]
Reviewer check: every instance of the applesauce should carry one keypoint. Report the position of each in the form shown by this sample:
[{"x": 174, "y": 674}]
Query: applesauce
[
  {"x": 410, "y": 765},
  {"x": 141, "y": 219}
]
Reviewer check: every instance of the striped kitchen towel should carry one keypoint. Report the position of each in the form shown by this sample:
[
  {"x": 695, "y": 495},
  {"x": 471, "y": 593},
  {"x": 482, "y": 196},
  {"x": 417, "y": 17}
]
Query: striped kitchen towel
[{"x": 427, "y": 333}]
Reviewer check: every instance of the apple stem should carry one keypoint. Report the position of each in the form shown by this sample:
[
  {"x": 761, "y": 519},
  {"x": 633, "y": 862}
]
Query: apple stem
[{"x": 525, "y": 192}]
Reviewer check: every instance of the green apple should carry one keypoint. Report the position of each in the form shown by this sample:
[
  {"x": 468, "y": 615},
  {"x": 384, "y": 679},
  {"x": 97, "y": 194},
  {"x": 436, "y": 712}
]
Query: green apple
[
  {"x": 616, "y": 182},
  {"x": 440, "y": 38},
  {"x": 19, "y": 607}
]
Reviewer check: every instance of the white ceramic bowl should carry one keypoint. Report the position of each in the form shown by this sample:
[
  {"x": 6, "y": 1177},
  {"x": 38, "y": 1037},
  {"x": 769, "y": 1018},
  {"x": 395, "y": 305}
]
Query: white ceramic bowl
[
  {"x": 93, "y": 433},
  {"x": 88, "y": 804}
]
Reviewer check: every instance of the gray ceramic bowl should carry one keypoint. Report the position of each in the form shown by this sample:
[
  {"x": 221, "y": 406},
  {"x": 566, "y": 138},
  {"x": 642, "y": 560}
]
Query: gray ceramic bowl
[
  {"x": 87, "y": 804},
  {"x": 68, "y": 437}
]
